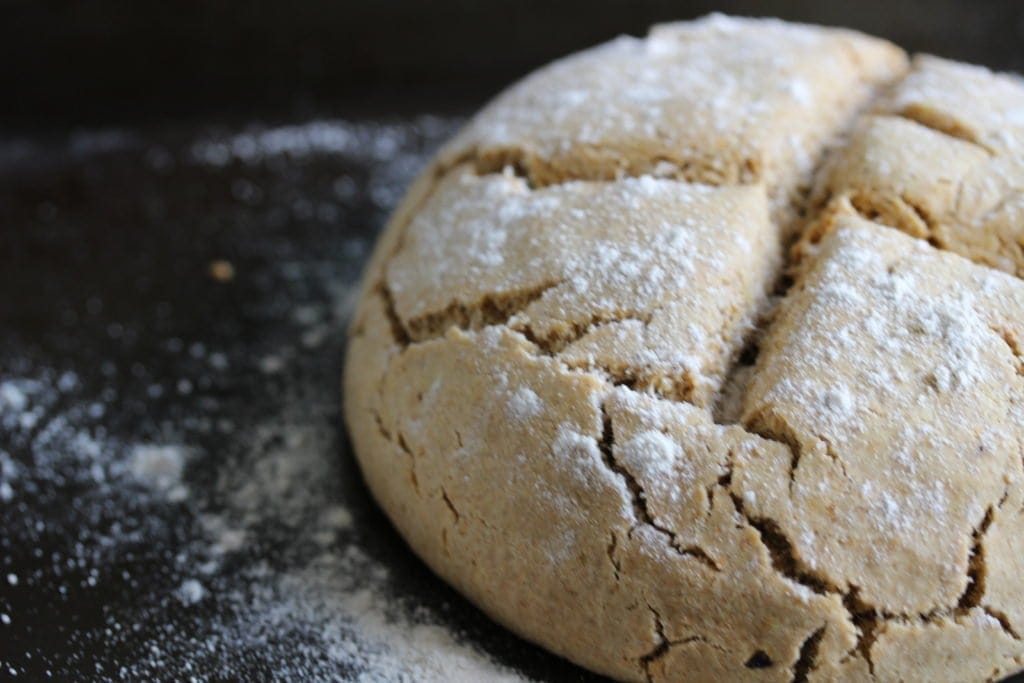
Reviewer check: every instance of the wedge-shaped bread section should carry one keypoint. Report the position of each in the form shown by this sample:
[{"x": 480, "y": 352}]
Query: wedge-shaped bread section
[
  {"x": 942, "y": 159},
  {"x": 652, "y": 281},
  {"x": 892, "y": 373},
  {"x": 467, "y": 418},
  {"x": 718, "y": 100},
  {"x": 696, "y": 556}
]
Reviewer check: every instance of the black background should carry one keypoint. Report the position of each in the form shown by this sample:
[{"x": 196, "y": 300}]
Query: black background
[{"x": 115, "y": 60}]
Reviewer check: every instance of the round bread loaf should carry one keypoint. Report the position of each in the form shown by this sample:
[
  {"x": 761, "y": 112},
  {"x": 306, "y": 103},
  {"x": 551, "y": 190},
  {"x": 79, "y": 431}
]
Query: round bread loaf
[{"x": 699, "y": 357}]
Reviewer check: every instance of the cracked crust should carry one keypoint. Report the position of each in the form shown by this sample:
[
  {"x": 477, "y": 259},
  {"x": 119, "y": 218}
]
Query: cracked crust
[
  {"x": 620, "y": 286},
  {"x": 942, "y": 158},
  {"x": 716, "y": 101},
  {"x": 582, "y": 388},
  {"x": 914, "y": 430}
]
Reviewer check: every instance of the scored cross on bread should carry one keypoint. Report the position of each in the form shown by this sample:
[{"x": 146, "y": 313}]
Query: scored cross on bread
[{"x": 693, "y": 357}]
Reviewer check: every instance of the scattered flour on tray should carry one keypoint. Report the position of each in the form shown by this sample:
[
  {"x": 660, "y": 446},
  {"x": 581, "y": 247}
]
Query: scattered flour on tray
[
  {"x": 267, "y": 563},
  {"x": 190, "y": 592},
  {"x": 159, "y": 467},
  {"x": 283, "y": 476}
]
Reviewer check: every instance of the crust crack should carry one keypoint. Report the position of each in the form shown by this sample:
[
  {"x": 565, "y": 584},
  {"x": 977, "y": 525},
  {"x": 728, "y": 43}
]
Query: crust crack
[
  {"x": 492, "y": 309},
  {"x": 399, "y": 334},
  {"x": 451, "y": 506},
  {"x": 942, "y": 124},
  {"x": 805, "y": 663},
  {"x": 977, "y": 573},
  {"x": 780, "y": 549},
  {"x": 539, "y": 171},
  {"x": 638, "y": 498},
  {"x": 661, "y": 645}
]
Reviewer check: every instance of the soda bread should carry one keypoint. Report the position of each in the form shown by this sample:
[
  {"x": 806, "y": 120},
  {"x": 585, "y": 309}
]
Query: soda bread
[{"x": 698, "y": 357}]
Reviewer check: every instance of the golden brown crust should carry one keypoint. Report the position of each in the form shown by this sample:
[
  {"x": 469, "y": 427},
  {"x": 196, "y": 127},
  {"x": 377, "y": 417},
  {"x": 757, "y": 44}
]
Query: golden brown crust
[{"x": 580, "y": 387}]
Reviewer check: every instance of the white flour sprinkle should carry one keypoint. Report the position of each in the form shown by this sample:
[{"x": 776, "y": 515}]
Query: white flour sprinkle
[
  {"x": 12, "y": 397},
  {"x": 652, "y": 453},
  {"x": 271, "y": 365},
  {"x": 838, "y": 399},
  {"x": 190, "y": 592},
  {"x": 158, "y": 467},
  {"x": 367, "y": 141},
  {"x": 8, "y": 473},
  {"x": 800, "y": 92},
  {"x": 524, "y": 403},
  {"x": 572, "y": 445},
  {"x": 222, "y": 536}
]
